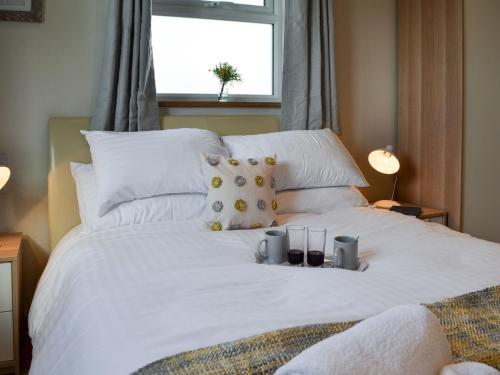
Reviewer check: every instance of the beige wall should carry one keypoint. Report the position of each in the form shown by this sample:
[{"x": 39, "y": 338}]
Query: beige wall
[
  {"x": 366, "y": 55},
  {"x": 45, "y": 70},
  {"x": 50, "y": 69},
  {"x": 481, "y": 179}
]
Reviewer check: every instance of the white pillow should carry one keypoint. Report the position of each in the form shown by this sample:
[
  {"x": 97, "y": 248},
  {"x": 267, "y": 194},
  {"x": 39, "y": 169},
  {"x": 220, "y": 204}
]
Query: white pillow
[
  {"x": 306, "y": 158},
  {"x": 160, "y": 208},
  {"x": 319, "y": 200},
  {"x": 136, "y": 165},
  {"x": 241, "y": 192}
]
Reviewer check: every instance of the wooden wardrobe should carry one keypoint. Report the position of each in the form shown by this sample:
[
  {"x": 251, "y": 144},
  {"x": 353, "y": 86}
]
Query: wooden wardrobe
[{"x": 430, "y": 104}]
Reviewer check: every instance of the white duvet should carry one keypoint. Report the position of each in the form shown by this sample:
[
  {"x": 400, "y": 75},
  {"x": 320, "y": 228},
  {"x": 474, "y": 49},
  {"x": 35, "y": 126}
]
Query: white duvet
[{"x": 113, "y": 301}]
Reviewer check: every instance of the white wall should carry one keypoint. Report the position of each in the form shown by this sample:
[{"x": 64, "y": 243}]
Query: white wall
[
  {"x": 366, "y": 57},
  {"x": 46, "y": 69},
  {"x": 481, "y": 180}
]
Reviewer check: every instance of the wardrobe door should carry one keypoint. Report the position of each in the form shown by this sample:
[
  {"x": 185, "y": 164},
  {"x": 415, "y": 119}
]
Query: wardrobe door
[{"x": 430, "y": 104}]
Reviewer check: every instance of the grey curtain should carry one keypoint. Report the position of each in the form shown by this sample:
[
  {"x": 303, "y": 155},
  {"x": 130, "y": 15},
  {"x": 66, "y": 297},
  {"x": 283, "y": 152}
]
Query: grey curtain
[
  {"x": 309, "y": 99},
  {"x": 126, "y": 97}
]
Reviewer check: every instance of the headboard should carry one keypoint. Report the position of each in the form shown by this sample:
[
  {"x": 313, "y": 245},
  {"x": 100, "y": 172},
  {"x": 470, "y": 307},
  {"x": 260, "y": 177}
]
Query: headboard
[{"x": 66, "y": 144}]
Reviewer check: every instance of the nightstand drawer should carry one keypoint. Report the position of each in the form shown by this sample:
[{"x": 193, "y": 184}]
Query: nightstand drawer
[
  {"x": 5, "y": 286},
  {"x": 6, "y": 337}
]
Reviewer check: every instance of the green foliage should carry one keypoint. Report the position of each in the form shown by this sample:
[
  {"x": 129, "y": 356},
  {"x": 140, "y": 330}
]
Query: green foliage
[{"x": 226, "y": 73}]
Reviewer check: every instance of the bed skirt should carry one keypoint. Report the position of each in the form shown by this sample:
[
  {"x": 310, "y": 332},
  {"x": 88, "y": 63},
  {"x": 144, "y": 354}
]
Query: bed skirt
[{"x": 471, "y": 323}]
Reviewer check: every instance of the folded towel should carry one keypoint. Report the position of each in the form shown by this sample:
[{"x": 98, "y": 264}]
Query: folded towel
[
  {"x": 469, "y": 368},
  {"x": 402, "y": 340}
]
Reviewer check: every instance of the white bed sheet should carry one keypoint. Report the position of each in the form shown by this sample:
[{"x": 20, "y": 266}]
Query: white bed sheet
[{"x": 113, "y": 301}]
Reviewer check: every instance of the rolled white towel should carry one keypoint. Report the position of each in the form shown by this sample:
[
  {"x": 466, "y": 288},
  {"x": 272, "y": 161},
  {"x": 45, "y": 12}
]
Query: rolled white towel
[
  {"x": 469, "y": 368},
  {"x": 402, "y": 340}
]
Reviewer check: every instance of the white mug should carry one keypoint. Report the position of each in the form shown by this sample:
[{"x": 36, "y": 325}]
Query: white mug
[
  {"x": 345, "y": 252},
  {"x": 274, "y": 251}
]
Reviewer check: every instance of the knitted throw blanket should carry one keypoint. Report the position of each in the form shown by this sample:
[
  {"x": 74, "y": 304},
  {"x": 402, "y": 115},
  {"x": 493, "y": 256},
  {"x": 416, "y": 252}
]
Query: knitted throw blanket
[{"x": 471, "y": 323}]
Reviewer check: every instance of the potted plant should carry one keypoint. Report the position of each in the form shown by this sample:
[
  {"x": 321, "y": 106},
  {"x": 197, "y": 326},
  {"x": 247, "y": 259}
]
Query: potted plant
[{"x": 226, "y": 74}]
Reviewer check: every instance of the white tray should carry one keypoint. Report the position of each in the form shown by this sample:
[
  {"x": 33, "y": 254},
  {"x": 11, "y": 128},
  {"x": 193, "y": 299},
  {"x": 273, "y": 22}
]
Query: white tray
[{"x": 363, "y": 264}]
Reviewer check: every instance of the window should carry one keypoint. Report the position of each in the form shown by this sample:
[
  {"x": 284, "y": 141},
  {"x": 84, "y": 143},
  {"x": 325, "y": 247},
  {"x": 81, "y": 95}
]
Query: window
[{"x": 190, "y": 37}]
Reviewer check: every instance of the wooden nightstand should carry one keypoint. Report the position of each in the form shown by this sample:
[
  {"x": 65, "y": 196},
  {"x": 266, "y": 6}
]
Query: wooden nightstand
[
  {"x": 430, "y": 214},
  {"x": 434, "y": 215},
  {"x": 10, "y": 302}
]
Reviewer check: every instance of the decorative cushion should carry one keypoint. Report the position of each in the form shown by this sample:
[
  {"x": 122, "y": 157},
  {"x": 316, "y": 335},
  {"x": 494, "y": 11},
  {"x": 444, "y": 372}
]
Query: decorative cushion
[{"x": 241, "y": 192}]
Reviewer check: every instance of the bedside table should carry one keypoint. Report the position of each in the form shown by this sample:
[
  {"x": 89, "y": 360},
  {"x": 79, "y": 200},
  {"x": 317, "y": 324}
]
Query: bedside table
[
  {"x": 10, "y": 301},
  {"x": 434, "y": 215},
  {"x": 429, "y": 214}
]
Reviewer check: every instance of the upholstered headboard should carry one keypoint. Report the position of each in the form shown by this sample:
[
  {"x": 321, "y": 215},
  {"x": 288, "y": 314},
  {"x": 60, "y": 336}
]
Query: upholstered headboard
[{"x": 66, "y": 144}]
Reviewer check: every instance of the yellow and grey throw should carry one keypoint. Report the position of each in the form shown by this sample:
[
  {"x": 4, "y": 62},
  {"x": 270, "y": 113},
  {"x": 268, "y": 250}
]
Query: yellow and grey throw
[
  {"x": 241, "y": 192},
  {"x": 470, "y": 323}
]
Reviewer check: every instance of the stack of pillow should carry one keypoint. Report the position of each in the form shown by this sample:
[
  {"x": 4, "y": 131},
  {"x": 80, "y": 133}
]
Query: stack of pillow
[{"x": 237, "y": 182}]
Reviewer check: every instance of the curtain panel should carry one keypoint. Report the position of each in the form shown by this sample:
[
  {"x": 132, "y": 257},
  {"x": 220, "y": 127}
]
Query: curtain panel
[
  {"x": 126, "y": 97},
  {"x": 309, "y": 98}
]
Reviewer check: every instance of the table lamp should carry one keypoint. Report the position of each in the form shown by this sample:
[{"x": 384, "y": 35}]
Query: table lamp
[
  {"x": 4, "y": 175},
  {"x": 386, "y": 162}
]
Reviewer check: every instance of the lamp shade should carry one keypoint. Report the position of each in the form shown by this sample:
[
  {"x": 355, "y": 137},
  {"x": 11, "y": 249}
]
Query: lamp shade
[
  {"x": 384, "y": 161},
  {"x": 4, "y": 175}
]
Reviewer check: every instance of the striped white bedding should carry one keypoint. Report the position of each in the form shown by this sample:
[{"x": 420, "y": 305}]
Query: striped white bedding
[{"x": 113, "y": 301}]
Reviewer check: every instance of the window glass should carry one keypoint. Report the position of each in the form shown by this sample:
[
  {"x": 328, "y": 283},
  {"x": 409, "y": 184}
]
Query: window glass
[
  {"x": 246, "y": 2},
  {"x": 185, "y": 49}
]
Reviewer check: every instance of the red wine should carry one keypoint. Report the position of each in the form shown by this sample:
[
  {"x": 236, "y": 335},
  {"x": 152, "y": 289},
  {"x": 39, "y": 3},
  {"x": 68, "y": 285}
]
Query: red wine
[
  {"x": 295, "y": 256},
  {"x": 315, "y": 258}
]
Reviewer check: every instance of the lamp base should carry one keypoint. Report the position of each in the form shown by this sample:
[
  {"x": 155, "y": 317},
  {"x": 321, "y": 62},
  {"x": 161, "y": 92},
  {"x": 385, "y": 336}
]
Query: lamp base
[{"x": 386, "y": 203}]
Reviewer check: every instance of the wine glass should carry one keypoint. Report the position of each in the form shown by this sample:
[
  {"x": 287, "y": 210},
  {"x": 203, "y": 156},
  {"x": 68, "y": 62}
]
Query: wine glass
[
  {"x": 296, "y": 237},
  {"x": 316, "y": 239}
]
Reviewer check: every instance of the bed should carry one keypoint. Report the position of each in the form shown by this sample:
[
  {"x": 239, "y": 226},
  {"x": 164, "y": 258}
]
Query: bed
[{"x": 114, "y": 301}]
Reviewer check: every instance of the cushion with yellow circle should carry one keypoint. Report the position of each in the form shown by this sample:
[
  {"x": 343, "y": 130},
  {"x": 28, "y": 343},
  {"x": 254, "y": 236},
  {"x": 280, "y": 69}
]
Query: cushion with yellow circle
[{"x": 241, "y": 192}]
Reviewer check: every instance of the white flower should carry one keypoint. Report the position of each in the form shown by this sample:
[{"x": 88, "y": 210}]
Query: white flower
[
  {"x": 217, "y": 206},
  {"x": 212, "y": 160},
  {"x": 261, "y": 204},
  {"x": 240, "y": 180}
]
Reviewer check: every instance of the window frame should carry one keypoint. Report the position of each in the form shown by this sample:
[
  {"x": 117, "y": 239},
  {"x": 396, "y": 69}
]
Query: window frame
[{"x": 270, "y": 13}]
